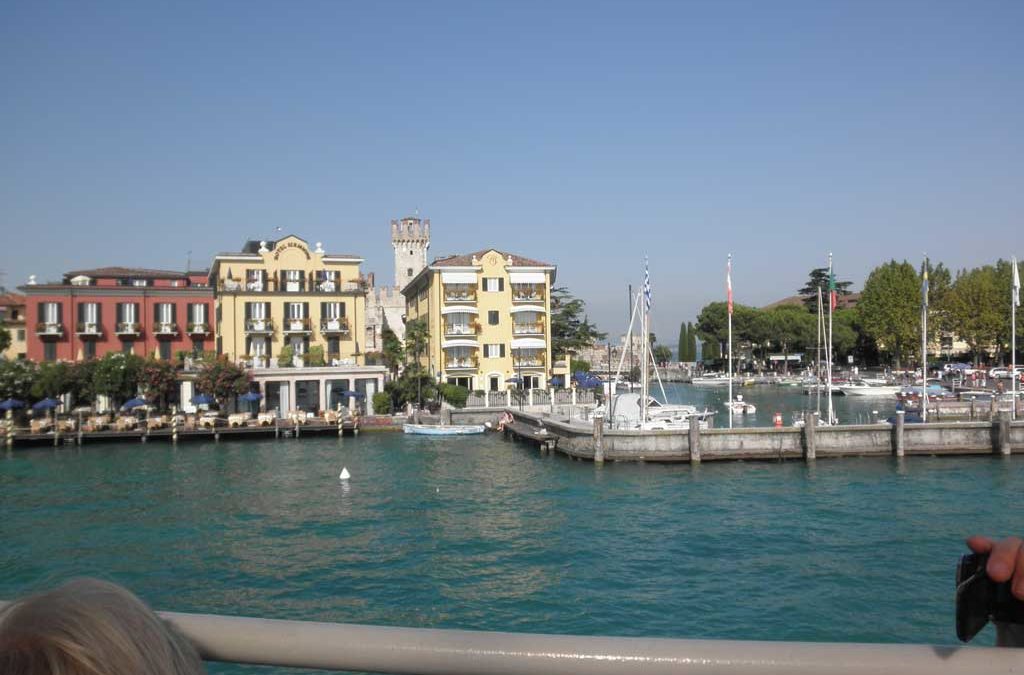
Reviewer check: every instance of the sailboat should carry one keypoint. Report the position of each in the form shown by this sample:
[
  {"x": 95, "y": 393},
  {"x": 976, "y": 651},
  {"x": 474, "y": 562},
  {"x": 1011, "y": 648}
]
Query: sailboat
[{"x": 642, "y": 410}]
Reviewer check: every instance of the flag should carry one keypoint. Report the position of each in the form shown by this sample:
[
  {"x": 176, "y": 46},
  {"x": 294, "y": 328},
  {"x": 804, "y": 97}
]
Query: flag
[
  {"x": 1015, "y": 298},
  {"x": 833, "y": 295},
  {"x": 924, "y": 288},
  {"x": 647, "y": 287},
  {"x": 728, "y": 282}
]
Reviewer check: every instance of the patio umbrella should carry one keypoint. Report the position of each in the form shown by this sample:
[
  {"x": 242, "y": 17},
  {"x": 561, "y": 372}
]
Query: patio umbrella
[
  {"x": 11, "y": 404},
  {"x": 250, "y": 397},
  {"x": 353, "y": 394},
  {"x": 557, "y": 381},
  {"x": 203, "y": 399},
  {"x": 46, "y": 404},
  {"x": 134, "y": 403}
]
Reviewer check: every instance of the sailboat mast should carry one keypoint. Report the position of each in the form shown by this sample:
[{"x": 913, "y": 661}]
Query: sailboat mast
[
  {"x": 828, "y": 356},
  {"x": 728, "y": 284},
  {"x": 817, "y": 370},
  {"x": 924, "y": 343}
]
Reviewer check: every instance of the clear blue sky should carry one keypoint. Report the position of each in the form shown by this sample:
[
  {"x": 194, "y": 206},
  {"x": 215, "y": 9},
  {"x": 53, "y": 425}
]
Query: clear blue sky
[{"x": 588, "y": 134}]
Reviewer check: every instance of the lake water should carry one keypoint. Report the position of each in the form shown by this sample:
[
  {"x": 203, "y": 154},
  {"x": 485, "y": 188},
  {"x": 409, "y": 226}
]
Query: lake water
[
  {"x": 481, "y": 533},
  {"x": 769, "y": 399}
]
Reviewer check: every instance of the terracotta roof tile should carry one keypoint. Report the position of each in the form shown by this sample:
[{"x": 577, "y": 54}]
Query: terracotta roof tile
[
  {"x": 8, "y": 299},
  {"x": 467, "y": 259},
  {"x": 136, "y": 272}
]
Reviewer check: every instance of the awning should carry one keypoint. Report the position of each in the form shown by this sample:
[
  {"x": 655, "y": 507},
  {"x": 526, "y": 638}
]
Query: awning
[
  {"x": 526, "y": 277},
  {"x": 448, "y": 344},
  {"x": 459, "y": 310},
  {"x": 527, "y": 308},
  {"x": 458, "y": 278},
  {"x": 528, "y": 343}
]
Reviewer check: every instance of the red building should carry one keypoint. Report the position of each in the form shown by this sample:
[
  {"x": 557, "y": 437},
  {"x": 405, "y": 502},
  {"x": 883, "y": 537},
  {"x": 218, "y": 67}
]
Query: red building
[{"x": 92, "y": 312}]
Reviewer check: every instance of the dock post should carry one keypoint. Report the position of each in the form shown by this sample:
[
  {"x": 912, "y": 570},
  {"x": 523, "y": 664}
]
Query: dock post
[
  {"x": 874, "y": 417},
  {"x": 694, "y": 437},
  {"x": 810, "y": 435},
  {"x": 174, "y": 424},
  {"x": 277, "y": 428},
  {"x": 993, "y": 409},
  {"x": 598, "y": 439},
  {"x": 1003, "y": 433},
  {"x": 973, "y": 414},
  {"x": 78, "y": 428},
  {"x": 898, "y": 432},
  {"x": 10, "y": 429},
  {"x": 296, "y": 427},
  {"x": 341, "y": 424}
]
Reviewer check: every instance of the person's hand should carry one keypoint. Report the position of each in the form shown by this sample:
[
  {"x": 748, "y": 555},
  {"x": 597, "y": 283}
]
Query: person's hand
[{"x": 1005, "y": 560}]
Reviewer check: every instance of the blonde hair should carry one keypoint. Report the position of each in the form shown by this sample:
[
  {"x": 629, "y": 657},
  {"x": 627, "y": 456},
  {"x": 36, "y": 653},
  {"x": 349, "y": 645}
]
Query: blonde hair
[{"x": 90, "y": 627}]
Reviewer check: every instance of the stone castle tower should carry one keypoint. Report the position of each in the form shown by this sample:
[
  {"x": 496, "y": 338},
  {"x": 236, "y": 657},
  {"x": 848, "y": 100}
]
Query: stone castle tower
[{"x": 410, "y": 237}]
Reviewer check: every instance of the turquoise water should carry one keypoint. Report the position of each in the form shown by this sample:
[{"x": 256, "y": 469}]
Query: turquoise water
[
  {"x": 769, "y": 399},
  {"x": 480, "y": 533}
]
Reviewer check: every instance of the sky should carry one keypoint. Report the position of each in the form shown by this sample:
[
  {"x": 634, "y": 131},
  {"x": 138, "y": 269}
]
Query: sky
[{"x": 588, "y": 134}]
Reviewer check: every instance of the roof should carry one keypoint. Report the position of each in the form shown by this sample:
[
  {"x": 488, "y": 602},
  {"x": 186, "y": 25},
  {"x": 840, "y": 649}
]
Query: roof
[
  {"x": 467, "y": 259},
  {"x": 8, "y": 299},
  {"x": 251, "y": 249},
  {"x": 136, "y": 272},
  {"x": 844, "y": 301}
]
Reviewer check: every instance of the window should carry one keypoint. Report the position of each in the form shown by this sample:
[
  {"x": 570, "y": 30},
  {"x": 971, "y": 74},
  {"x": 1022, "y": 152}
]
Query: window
[
  {"x": 333, "y": 346},
  {"x": 14, "y": 315},
  {"x": 197, "y": 313},
  {"x": 408, "y": 272},
  {"x": 293, "y": 280},
  {"x": 296, "y": 310},
  {"x": 494, "y": 351},
  {"x": 49, "y": 351},
  {"x": 492, "y": 317},
  {"x": 165, "y": 350},
  {"x": 49, "y": 312},
  {"x": 128, "y": 347},
  {"x": 494, "y": 383},
  {"x": 89, "y": 317},
  {"x": 21, "y": 334},
  {"x": 89, "y": 349},
  {"x": 163, "y": 314},
  {"x": 140, "y": 282},
  {"x": 198, "y": 347},
  {"x": 494, "y": 284}
]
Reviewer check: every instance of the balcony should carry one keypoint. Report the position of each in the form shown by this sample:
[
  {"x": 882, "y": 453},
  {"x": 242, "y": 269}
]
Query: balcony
[
  {"x": 337, "y": 326},
  {"x": 202, "y": 328},
  {"x": 459, "y": 294},
  {"x": 462, "y": 329},
  {"x": 165, "y": 329},
  {"x": 128, "y": 329},
  {"x": 296, "y": 327},
  {"x": 89, "y": 329},
  {"x": 529, "y": 362},
  {"x": 464, "y": 363},
  {"x": 527, "y": 293},
  {"x": 49, "y": 329},
  {"x": 527, "y": 328},
  {"x": 259, "y": 326}
]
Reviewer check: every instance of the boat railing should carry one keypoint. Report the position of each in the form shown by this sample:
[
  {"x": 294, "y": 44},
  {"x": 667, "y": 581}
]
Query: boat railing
[{"x": 430, "y": 651}]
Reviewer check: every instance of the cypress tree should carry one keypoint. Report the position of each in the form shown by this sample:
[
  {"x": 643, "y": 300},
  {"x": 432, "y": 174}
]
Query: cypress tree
[
  {"x": 683, "y": 342},
  {"x": 691, "y": 342}
]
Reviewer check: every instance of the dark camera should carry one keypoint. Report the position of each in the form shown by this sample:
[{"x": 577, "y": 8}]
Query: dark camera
[{"x": 980, "y": 600}]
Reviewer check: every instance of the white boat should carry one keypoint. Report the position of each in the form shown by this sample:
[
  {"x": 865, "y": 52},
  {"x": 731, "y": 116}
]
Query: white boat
[
  {"x": 864, "y": 389},
  {"x": 626, "y": 414},
  {"x": 741, "y": 407},
  {"x": 710, "y": 380},
  {"x": 443, "y": 429}
]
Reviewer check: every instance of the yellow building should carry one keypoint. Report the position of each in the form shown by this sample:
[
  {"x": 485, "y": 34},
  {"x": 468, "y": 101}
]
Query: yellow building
[
  {"x": 489, "y": 318},
  {"x": 12, "y": 319},
  {"x": 282, "y": 294}
]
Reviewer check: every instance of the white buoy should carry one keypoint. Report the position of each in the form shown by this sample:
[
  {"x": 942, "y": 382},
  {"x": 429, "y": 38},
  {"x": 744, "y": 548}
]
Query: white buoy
[{"x": 344, "y": 475}]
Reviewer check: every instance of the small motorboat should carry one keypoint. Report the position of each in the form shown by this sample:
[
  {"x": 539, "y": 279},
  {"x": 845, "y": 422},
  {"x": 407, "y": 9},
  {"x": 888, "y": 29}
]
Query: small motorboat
[
  {"x": 741, "y": 407},
  {"x": 443, "y": 429}
]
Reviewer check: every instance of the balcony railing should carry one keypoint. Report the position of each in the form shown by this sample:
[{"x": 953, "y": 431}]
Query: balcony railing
[
  {"x": 49, "y": 329},
  {"x": 461, "y": 329},
  {"x": 259, "y": 326},
  {"x": 527, "y": 293},
  {"x": 295, "y": 326},
  {"x": 461, "y": 363},
  {"x": 337, "y": 326},
  {"x": 528, "y": 363},
  {"x": 198, "y": 328},
  {"x": 459, "y": 295},
  {"x": 310, "y": 285},
  {"x": 89, "y": 329},
  {"x": 165, "y": 329},
  {"x": 128, "y": 328},
  {"x": 527, "y": 329}
]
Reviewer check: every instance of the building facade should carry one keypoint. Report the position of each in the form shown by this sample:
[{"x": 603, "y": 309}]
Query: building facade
[
  {"x": 12, "y": 319},
  {"x": 140, "y": 311},
  {"x": 488, "y": 315},
  {"x": 385, "y": 305},
  {"x": 284, "y": 296}
]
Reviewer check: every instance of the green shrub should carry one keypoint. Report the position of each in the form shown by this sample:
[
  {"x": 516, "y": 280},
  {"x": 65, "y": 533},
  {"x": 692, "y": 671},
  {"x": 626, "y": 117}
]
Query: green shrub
[
  {"x": 315, "y": 356},
  {"x": 453, "y": 394},
  {"x": 284, "y": 359},
  {"x": 382, "y": 403}
]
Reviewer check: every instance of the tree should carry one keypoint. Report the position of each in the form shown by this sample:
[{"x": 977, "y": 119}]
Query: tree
[
  {"x": 890, "y": 308},
  {"x": 974, "y": 308},
  {"x": 5, "y": 339},
  {"x": 286, "y": 357},
  {"x": 16, "y": 379},
  {"x": 684, "y": 343},
  {"x": 691, "y": 343},
  {"x": 571, "y": 330},
  {"x": 222, "y": 379},
  {"x": 454, "y": 394},
  {"x": 790, "y": 326},
  {"x": 158, "y": 380},
  {"x": 818, "y": 278},
  {"x": 81, "y": 380},
  {"x": 52, "y": 380},
  {"x": 315, "y": 356},
  {"x": 394, "y": 352},
  {"x": 116, "y": 375},
  {"x": 381, "y": 403},
  {"x": 579, "y": 366},
  {"x": 417, "y": 337},
  {"x": 662, "y": 354},
  {"x": 1004, "y": 283}
]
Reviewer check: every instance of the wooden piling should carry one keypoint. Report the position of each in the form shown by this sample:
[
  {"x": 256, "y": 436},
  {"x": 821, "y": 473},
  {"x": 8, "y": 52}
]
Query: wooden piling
[
  {"x": 810, "y": 435},
  {"x": 599, "y": 439},
  {"x": 1003, "y": 433},
  {"x": 898, "y": 433},
  {"x": 694, "y": 438}
]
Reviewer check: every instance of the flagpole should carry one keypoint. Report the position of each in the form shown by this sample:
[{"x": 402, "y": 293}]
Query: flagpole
[
  {"x": 817, "y": 370},
  {"x": 1014, "y": 301},
  {"x": 924, "y": 344},
  {"x": 728, "y": 278},
  {"x": 828, "y": 359}
]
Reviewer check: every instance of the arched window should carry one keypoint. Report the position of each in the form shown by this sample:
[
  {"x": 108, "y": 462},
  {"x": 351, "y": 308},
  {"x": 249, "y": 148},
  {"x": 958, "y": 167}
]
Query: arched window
[{"x": 409, "y": 272}]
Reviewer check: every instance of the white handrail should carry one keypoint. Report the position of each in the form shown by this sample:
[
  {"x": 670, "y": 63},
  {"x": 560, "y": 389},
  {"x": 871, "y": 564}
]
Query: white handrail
[{"x": 426, "y": 651}]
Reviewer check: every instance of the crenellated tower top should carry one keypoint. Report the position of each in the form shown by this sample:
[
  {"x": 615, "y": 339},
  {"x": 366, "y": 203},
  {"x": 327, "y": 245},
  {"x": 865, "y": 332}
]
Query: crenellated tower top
[{"x": 410, "y": 237}]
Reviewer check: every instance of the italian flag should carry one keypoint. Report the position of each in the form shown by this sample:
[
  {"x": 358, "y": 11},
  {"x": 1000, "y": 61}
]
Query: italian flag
[{"x": 833, "y": 296}]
